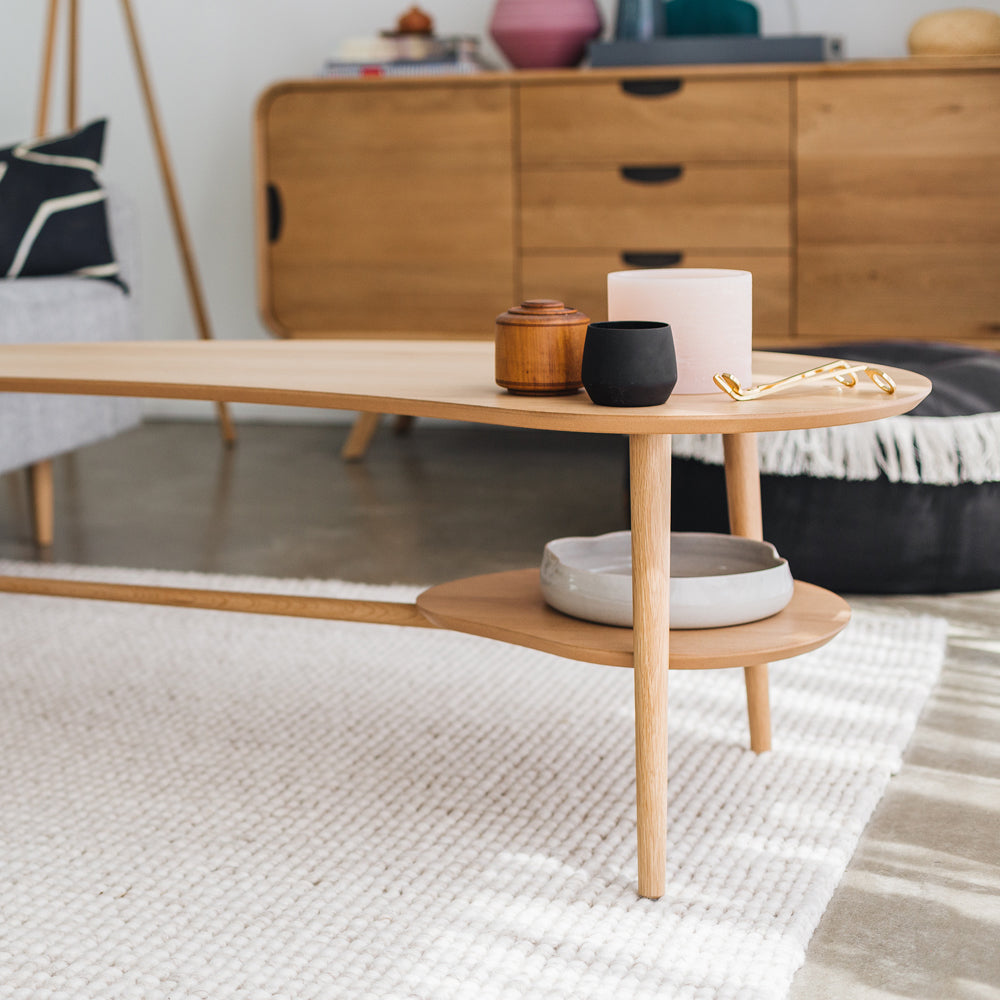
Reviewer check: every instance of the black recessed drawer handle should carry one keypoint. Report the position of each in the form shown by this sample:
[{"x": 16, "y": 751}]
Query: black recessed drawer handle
[
  {"x": 651, "y": 88},
  {"x": 652, "y": 259},
  {"x": 652, "y": 175},
  {"x": 275, "y": 215}
]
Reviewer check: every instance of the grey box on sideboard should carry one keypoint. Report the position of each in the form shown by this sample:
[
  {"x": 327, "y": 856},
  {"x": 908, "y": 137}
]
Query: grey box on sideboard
[{"x": 699, "y": 49}]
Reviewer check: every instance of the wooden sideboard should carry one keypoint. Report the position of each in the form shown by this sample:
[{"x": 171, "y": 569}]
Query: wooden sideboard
[{"x": 864, "y": 197}]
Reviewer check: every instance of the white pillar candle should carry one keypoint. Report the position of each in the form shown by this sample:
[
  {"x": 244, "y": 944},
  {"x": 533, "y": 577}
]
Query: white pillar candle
[{"x": 709, "y": 312}]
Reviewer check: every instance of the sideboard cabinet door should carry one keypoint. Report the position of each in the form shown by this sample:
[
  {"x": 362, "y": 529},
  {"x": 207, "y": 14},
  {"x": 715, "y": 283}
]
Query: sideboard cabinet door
[
  {"x": 898, "y": 206},
  {"x": 389, "y": 208}
]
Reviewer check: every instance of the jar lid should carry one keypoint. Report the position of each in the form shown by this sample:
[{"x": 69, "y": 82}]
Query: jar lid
[
  {"x": 542, "y": 311},
  {"x": 537, "y": 307}
]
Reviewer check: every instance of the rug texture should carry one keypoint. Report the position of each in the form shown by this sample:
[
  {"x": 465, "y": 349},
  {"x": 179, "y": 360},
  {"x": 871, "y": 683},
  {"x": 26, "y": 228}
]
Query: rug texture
[{"x": 198, "y": 804}]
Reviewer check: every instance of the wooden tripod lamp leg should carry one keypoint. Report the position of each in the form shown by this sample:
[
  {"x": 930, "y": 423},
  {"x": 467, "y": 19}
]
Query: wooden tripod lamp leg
[
  {"x": 174, "y": 205},
  {"x": 48, "y": 61},
  {"x": 72, "y": 63},
  {"x": 743, "y": 494},
  {"x": 40, "y": 488},
  {"x": 48, "y": 64},
  {"x": 42, "y": 501}
]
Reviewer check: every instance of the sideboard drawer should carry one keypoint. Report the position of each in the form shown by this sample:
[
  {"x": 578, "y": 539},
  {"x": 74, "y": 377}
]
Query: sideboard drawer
[
  {"x": 605, "y": 121},
  {"x": 883, "y": 201},
  {"x": 921, "y": 292},
  {"x": 904, "y": 116},
  {"x": 580, "y": 280},
  {"x": 701, "y": 205}
]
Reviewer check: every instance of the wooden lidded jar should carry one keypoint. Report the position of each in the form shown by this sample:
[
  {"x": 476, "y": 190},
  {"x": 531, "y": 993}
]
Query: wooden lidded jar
[{"x": 539, "y": 348}]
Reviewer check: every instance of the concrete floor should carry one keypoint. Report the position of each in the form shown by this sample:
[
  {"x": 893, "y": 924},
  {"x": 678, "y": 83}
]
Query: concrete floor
[{"x": 918, "y": 913}]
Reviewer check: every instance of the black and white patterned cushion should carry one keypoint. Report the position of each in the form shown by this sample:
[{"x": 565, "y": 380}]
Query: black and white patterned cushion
[{"x": 53, "y": 212}]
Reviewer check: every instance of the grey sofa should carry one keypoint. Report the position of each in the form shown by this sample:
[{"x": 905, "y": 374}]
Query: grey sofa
[{"x": 35, "y": 428}]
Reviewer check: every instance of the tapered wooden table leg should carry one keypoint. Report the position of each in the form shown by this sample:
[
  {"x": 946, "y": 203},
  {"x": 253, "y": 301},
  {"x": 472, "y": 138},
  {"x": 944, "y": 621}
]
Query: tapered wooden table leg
[
  {"x": 360, "y": 437},
  {"x": 743, "y": 495},
  {"x": 650, "y": 476},
  {"x": 42, "y": 501}
]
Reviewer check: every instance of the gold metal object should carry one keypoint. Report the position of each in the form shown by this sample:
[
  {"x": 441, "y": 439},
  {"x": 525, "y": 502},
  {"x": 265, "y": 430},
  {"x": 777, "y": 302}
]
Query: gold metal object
[{"x": 840, "y": 371}]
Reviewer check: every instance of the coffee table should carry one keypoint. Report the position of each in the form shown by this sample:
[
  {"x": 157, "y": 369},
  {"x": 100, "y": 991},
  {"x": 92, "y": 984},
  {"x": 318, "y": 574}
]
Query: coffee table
[{"x": 454, "y": 381}]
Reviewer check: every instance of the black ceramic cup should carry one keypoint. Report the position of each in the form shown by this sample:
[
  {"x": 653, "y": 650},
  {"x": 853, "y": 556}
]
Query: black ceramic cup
[{"x": 629, "y": 363}]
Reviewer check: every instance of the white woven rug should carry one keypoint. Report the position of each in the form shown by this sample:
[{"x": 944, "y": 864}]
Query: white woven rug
[{"x": 218, "y": 806}]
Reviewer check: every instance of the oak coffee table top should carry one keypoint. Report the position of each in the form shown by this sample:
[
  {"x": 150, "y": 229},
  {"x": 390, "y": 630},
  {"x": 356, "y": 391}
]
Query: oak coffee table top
[{"x": 446, "y": 379}]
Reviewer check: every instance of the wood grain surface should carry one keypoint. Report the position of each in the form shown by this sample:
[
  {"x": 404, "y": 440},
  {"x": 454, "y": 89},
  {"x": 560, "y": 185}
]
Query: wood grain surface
[
  {"x": 452, "y": 380},
  {"x": 509, "y": 607},
  {"x": 693, "y": 123}
]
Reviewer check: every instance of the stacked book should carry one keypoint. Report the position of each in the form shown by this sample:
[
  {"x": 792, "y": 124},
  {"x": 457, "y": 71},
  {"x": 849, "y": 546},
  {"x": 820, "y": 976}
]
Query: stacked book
[{"x": 405, "y": 55}]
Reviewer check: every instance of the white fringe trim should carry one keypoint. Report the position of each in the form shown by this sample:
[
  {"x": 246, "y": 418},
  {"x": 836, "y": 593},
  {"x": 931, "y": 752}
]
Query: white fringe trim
[{"x": 940, "y": 451}]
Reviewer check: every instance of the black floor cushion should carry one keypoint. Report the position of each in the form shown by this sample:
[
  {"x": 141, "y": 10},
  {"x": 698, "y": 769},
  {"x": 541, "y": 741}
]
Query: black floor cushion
[{"x": 875, "y": 535}]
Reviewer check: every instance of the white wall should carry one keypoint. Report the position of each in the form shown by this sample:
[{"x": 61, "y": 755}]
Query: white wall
[{"x": 210, "y": 58}]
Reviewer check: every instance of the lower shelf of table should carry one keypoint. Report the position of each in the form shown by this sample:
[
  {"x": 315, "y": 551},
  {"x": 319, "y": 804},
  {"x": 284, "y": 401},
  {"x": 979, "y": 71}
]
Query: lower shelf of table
[{"x": 509, "y": 606}]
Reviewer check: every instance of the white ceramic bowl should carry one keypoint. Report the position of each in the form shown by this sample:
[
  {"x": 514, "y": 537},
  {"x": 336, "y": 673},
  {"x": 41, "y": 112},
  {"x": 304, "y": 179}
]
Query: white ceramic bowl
[{"x": 715, "y": 580}]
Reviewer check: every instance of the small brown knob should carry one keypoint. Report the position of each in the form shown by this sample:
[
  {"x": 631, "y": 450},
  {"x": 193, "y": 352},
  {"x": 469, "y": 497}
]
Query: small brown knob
[
  {"x": 415, "y": 22},
  {"x": 550, "y": 311},
  {"x": 542, "y": 305}
]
